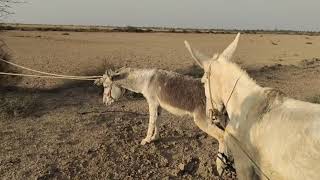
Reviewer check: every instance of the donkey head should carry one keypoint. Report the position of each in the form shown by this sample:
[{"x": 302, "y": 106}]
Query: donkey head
[
  {"x": 111, "y": 92},
  {"x": 212, "y": 78}
]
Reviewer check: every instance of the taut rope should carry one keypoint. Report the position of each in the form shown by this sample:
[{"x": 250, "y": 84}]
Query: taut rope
[{"x": 46, "y": 74}]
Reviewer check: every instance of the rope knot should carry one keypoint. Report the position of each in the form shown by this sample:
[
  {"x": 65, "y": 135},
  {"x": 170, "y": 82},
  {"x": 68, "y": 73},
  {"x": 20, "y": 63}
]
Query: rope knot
[
  {"x": 218, "y": 118},
  {"x": 228, "y": 164}
]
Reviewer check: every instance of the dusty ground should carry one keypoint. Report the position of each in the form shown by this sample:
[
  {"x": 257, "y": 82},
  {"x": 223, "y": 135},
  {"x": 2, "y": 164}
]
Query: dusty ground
[{"x": 60, "y": 129}]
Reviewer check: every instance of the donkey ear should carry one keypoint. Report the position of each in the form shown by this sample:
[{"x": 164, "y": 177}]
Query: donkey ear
[
  {"x": 196, "y": 55},
  {"x": 109, "y": 72},
  {"x": 120, "y": 76},
  {"x": 229, "y": 51}
]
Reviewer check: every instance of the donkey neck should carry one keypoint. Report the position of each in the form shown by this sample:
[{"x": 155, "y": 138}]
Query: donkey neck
[
  {"x": 136, "y": 80},
  {"x": 236, "y": 88}
]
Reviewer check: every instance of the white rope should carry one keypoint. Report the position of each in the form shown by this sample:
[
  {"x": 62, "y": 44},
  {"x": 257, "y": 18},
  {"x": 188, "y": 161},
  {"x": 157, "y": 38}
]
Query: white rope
[
  {"x": 46, "y": 73},
  {"x": 44, "y": 76}
]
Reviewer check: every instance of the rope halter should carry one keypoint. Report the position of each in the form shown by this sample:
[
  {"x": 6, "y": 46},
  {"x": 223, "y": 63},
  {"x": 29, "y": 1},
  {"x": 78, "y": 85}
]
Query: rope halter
[{"x": 214, "y": 114}]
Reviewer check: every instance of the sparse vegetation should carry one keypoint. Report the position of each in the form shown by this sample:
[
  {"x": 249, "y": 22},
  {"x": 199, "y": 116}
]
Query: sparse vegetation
[
  {"x": 197, "y": 31},
  {"x": 314, "y": 99},
  {"x": 172, "y": 30},
  {"x": 3, "y": 53},
  {"x": 274, "y": 43},
  {"x": 73, "y": 28},
  {"x": 132, "y": 29},
  {"x": 193, "y": 71}
]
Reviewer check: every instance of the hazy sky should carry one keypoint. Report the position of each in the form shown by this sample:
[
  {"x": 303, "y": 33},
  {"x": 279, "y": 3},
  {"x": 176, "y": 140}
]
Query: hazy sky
[{"x": 241, "y": 14}]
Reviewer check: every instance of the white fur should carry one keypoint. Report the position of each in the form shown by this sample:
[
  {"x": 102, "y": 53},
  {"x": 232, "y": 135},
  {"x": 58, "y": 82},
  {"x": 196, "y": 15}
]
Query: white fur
[{"x": 270, "y": 137}]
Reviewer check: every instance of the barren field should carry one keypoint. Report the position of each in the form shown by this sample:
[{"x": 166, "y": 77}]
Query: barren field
[{"x": 58, "y": 129}]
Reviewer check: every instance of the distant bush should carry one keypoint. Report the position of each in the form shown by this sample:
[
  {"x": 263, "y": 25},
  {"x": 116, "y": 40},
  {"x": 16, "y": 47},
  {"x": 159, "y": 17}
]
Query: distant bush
[
  {"x": 148, "y": 30},
  {"x": 314, "y": 99},
  {"x": 132, "y": 29},
  {"x": 250, "y": 32},
  {"x": 172, "y": 30},
  {"x": 3, "y": 53},
  {"x": 197, "y": 31},
  {"x": 193, "y": 70},
  {"x": 185, "y": 31},
  {"x": 4, "y": 67},
  {"x": 6, "y": 28},
  {"x": 274, "y": 43}
]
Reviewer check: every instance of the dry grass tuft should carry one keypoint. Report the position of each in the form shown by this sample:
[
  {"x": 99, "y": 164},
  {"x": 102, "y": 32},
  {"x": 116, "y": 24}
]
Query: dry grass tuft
[
  {"x": 314, "y": 99},
  {"x": 4, "y": 67},
  {"x": 274, "y": 43},
  {"x": 194, "y": 71}
]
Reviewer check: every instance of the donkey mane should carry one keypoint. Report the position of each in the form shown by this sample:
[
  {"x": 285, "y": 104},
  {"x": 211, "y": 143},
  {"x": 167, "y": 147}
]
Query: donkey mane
[
  {"x": 272, "y": 96},
  {"x": 236, "y": 70}
]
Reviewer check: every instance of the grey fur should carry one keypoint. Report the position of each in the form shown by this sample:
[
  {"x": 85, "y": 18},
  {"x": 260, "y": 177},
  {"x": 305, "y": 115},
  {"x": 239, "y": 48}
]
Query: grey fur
[
  {"x": 178, "y": 94},
  {"x": 180, "y": 91}
]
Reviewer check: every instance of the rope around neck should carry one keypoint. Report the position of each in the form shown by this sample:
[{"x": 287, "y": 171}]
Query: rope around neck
[
  {"x": 234, "y": 87},
  {"x": 236, "y": 141}
]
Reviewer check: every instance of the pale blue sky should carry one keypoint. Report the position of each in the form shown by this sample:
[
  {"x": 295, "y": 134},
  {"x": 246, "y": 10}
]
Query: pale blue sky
[{"x": 241, "y": 14}]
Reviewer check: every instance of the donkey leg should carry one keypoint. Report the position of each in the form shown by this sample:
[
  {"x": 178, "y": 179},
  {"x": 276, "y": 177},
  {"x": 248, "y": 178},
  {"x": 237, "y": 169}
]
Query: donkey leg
[
  {"x": 153, "y": 113},
  {"x": 223, "y": 149},
  {"x": 243, "y": 165},
  {"x": 244, "y": 169},
  {"x": 209, "y": 128},
  {"x": 219, "y": 164},
  {"x": 156, "y": 128}
]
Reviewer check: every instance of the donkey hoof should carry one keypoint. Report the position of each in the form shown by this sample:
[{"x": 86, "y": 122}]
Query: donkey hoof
[
  {"x": 220, "y": 166},
  {"x": 145, "y": 141},
  {"x": 155, "y": 137}
]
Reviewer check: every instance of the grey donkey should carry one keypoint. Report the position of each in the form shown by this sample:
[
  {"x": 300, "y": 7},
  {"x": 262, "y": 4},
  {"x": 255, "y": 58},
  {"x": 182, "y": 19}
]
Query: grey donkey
[{"x": 176, "y": 93}]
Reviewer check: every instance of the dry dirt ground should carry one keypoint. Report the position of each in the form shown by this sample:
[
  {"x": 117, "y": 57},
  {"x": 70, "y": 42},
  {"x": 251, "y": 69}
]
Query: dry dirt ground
[{"x": 57, "y": 129}]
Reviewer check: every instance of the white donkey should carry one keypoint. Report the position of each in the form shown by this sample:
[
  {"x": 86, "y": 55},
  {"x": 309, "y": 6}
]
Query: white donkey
[
  {"x": 270, "y": 135},
  {"x": 178, "y": 94}
]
